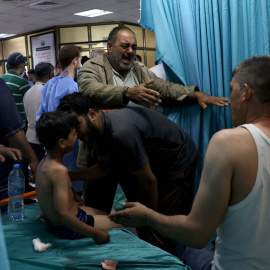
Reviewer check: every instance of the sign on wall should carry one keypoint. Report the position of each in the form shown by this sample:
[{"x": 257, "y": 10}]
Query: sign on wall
[{"x": 43, "y": 49}]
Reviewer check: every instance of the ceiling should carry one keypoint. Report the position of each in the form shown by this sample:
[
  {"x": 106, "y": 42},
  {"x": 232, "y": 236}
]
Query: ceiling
[{"x": 23, "y": 16}]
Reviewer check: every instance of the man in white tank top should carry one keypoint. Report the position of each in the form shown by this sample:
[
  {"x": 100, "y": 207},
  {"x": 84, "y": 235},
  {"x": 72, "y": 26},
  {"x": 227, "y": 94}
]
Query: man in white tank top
[{"x": 233, "y": 197}]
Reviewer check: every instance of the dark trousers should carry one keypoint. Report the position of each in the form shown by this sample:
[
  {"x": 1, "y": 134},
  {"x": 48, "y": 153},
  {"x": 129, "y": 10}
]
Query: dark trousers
[{"x": 198, "y": 259}]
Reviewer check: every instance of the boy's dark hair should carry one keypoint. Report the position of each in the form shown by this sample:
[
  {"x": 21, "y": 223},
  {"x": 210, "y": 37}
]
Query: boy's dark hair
[
  {"x": 67, "y": 54},
  {"x": 53, "y": 126},
  {"x": 76, "y": 102}
]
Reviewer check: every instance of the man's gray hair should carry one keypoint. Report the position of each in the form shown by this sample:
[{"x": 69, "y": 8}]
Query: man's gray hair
[
  {"x": 113, "y": 33},
  {"x": 255, "y": 71}
]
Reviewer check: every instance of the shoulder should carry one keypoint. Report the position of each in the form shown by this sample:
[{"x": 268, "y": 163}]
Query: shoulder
[
  {"x": 52, "y": 170},
  {"x": 98, "y": 61},
  {"x": 24, "y": 84},
  {"x": 139, "y": 64},
  {"x": 229, "y": 144},
  {"x": 141, "y": 68},
  {"x": 226, "y": 136}
]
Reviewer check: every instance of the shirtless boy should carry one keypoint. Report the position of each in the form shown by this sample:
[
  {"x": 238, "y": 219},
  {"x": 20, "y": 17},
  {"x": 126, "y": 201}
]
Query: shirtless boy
[{"x": 56, "y": 132}]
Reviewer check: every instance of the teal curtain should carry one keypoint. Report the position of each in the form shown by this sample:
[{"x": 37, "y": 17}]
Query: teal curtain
[{"x": 199, "y": 43}]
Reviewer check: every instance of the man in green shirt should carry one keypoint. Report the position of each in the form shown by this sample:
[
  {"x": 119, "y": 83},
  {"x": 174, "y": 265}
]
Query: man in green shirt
[{"x": 17, "y": 85}]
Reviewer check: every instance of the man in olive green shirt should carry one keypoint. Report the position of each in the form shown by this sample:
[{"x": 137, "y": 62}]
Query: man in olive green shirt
[{"x": 17, "y": 85}]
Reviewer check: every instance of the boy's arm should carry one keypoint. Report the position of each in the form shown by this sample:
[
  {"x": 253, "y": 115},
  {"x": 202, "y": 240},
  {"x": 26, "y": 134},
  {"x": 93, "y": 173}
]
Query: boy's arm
[
  {"x": 209, "y": 207},
  {"x": 77, "y": 198},
  {"x": 97, "y": 171},
  {"x": 64, "y": 203}
]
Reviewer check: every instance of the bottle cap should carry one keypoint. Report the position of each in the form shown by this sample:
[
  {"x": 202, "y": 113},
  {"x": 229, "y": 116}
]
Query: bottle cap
[{"x": 16, "y": 166}]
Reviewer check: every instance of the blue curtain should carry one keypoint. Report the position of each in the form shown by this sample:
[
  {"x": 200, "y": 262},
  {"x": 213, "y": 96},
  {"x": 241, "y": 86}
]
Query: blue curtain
[{"x": 199, "y": 43}]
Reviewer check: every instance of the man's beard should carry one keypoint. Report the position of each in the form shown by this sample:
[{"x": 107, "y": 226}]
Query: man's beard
[{"x": 91, "y": 132}]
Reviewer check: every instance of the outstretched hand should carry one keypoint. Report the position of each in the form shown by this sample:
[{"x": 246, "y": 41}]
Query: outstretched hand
[
  {"x": 205, "y": 99},
  {"x": 142, "y": 95},
  {"x": 10, "y": 152},
  {"x": 135, "y": 215}
]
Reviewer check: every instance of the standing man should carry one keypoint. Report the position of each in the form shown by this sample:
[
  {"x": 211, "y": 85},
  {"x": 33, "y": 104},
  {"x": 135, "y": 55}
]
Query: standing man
[
  {"x": 153, "y": 159},
  {"x": 115, "y": 79},
  {"x": 233, "y": 196},
  {"x": 31, "y": 101},
  {"x": 11, "y": 132},
  {"x": 17, "y": 85},
  {"x": 69, "y": 59}
]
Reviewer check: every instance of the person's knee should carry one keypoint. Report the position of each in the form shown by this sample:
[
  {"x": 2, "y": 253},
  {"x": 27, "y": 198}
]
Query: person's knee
[{"x": 198, "y": 259}]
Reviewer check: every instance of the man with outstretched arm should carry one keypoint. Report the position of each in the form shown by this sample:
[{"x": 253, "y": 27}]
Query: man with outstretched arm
[{"x": 116, "y": 78}]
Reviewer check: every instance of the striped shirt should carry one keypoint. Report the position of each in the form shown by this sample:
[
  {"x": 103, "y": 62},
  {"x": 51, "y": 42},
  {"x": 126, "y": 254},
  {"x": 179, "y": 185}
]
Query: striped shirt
[{"x": 18, "y": 87}]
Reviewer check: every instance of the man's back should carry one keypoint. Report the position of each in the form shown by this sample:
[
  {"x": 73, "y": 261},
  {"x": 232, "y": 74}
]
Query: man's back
[
  {"x": 53, "y": 91},
  {"x": 243, "y": 233},
  {"x": 18, "y": 87},
  {"x": 138, "y": 132},
  {"x": 32, "y": 100}
]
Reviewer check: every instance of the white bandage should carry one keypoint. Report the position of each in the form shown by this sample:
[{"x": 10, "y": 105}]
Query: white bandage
[{"x": 39, "y": 246}]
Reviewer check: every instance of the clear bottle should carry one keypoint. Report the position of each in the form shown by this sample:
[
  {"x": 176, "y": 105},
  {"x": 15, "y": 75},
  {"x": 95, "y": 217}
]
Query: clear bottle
[{"x": 16, "y": 188}]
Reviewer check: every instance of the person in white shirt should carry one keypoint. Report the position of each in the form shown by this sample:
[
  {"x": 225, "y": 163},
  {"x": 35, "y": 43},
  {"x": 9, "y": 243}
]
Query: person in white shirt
[{"x": 31, "y": 101}]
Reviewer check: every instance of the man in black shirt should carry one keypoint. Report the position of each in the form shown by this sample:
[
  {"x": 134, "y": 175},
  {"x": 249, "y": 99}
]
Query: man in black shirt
[{"x": 153, "y": 159}]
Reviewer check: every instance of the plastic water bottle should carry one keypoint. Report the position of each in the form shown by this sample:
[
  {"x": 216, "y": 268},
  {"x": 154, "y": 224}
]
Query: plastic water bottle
[{"x": 16, "y": 188}]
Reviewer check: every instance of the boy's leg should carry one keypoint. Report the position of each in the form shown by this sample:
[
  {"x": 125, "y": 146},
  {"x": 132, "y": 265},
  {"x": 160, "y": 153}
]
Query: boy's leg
[
  {"x": 103, "y": 222},
  {"x": 101, "y": 219},
  {"x": 92, "y": 211}
]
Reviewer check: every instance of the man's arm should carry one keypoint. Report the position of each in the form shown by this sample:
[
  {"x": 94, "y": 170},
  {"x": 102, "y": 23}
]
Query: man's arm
[
  {"x": 19, "y": 141},
  {"x": 148, "y": 186},
  {"x": 209, "y": 207},
  {"x": 205, "y": 99},
  {"x": 173, "y": 93},
  {"x": 97, "y": 171},
  {"x": 64, "y": 206}
]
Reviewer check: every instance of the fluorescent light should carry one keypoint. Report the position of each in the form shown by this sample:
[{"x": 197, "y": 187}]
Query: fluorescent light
[
  {"x": 93, "y": 13},
  {"x": 6, "y": 35}
]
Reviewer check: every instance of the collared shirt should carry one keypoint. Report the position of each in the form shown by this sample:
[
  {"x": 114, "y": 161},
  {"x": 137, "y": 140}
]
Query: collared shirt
[
  {"x": 130, "y": 80},
  {"x": 18, "y": 87}
]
